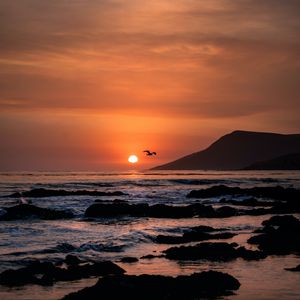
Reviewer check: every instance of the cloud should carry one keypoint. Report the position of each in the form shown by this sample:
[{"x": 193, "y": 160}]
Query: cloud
[{"x": 191, "y": 58}]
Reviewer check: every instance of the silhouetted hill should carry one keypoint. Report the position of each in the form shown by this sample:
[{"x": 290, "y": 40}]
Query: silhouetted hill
[
  {"x": 285, "y": 162},
  {"x": 237, "y": 150}
]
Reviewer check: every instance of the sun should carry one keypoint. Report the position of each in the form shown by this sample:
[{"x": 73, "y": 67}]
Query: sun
[{"x": 133, "y": 159}]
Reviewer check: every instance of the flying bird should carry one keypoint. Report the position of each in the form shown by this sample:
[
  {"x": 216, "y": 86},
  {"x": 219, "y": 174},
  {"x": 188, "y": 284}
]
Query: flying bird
[{"x": 149, "y": 153}]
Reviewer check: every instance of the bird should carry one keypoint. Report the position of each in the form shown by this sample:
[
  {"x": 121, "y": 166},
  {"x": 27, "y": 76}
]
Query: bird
[{"x": 149, "y": 153}]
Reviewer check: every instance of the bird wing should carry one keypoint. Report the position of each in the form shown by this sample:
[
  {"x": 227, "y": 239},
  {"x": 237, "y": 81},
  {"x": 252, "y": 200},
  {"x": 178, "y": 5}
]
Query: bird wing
[
  {"x": 154, "y": 153},
  {"x": 147, "y": 151}
]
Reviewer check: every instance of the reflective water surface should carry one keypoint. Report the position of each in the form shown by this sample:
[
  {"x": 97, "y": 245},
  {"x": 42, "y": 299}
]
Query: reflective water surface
[{"x": 22, "y": 241}]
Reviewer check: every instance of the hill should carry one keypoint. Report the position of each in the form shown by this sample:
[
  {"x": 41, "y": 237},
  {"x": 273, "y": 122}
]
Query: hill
[
  {"x": 284, "y": 162},
  {"x": 237, "y": 150}
]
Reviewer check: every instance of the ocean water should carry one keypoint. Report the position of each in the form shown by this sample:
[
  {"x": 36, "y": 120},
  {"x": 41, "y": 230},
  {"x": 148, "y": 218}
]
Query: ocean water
[{"x": 114, "y": 238}]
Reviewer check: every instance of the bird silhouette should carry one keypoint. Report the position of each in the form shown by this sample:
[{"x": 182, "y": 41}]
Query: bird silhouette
[{"x": 149, "y": 153}]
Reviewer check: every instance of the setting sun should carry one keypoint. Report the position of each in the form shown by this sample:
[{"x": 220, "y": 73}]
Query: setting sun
[{"x": 133, "y": 159}]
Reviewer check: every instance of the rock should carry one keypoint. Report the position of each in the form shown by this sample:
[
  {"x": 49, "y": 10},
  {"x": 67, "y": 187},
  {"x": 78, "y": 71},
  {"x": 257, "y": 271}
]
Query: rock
[
  {"x": 24, "y": 211},
  {"x": 276, "y": 193},
  {"x": 250, "y": 254},
  {"x": 153, "y": 211},
  {"x": 226, "y": 211},
  {"x": 41, "y": 192},
  {"x": 72, "y": 260},
  {"x": 116, "y": 209},
  {"x": 204, "y": 228},
  {"x": 97, "y": 269},
  {"x": 51, "y": 273},
  {"x": 38, "y": 267},
  {"x": 198, "y": 285},
  {"x": 17, "y": 277},
  {"x": 26, "y": 275},
  {"x": 296, "y": 269},
  {"x": 129, "y": 259},
  {"x": 287, "y": 222},
  {"x": 169, "y": 239},
  {"x": 211, "y": 251},
  {"x": 194, "y": 234},
  {"x": 182, "y": 211},
  {"x": 150, "y": 256},
  {"x": 281, "y": 235}
]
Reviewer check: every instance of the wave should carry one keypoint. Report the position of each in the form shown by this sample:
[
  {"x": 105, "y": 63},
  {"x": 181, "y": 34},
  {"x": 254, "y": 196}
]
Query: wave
[
  {"x": 107, "y": 247},
  {"x": 200, "y": 181},
  {"x": 68, "y": 248},
  {"x": 41, "y": 192}
]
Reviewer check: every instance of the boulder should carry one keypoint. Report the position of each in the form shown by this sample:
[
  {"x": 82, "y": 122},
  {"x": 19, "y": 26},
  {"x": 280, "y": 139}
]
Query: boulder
[
  {"x": 150, "y": 256},
  {"x": 72, "y": 260},
  {"x": 129, "y": 259},
  {"x": 194, "y": 234},
  {"x": 211, "y": 251},
  {"x": 25, "y": 211},
  {"x": 271, "y": 192},
  {"x": 18, "y": 277},
  {"x": 198, "y": 285},
  {"x": 152, "y": 211},
  {"x": 50, "y": 273},
  {"x": 281, "y": 235},
  {"x": 296, "y": 269}
]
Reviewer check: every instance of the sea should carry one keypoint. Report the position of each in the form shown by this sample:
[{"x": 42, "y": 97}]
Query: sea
[{"x": 113, "y": 238}]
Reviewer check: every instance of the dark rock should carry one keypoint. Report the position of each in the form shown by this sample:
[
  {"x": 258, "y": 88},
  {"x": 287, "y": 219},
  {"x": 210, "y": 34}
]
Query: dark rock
[
  {"x": 198, "y": 285},
  {"x": 210, "y": 251},
  {"x": 150, "y": 256},
  {"x": 41, "y": 192},
  {"x": 169, "y": 239},
  {"x": 51, "y": 273},
  {"x": 129, "y": 259},
  {"x": 287, "y": 207},
  {"x": 296, "y": 269},
  {"x": 277, "y": 192},
  {"x": 111, "y": 209},
  {"x": 120, "y": 201},
  {"x": 281, "y": 235},
  {"x": 257, "y": 212},
  {"x": 38, "y": 267},
  {"x": 116, "y": 209},
  {"x": 182, "y": 211},
  {"x": 98, "y": 269},
  {"x": 24, "y": 211},
  {"x": 17, "y": 277},
  {"x": 287, "y": 222},
  {"x": 226, "y": 211},
  {"x": 72, "y": 260},
  {"x": 250, "y": 254},
  {"x": 195, "y": 234},
  {"x": 204, "y": 228},
  {"x": 153, "y": 211},
  {"x": 26, "y": 275}
]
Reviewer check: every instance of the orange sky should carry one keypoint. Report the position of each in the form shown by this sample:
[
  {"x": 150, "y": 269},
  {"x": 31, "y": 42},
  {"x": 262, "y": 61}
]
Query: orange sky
[{"x": 85, "y": 83}]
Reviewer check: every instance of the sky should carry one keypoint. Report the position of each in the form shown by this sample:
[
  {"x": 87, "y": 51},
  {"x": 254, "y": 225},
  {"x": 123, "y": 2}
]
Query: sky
[{"x": 86, "y": 83}]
